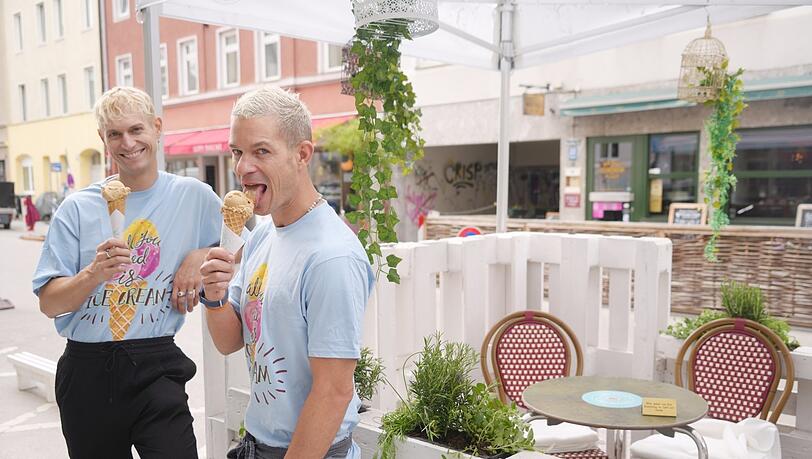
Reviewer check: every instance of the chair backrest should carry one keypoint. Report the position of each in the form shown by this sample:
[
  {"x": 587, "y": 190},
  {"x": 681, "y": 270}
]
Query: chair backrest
[
  {"x": 735, "y": 365},
  {"x": 527, "y": 347}
]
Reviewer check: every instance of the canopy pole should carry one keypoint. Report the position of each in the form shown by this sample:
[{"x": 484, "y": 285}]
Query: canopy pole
[
  {"x": 503, "y": 148},
  {"x": 152, "y": 69}
]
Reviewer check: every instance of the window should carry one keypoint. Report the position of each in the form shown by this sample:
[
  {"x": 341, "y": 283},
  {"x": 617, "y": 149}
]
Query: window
[
  {"x": 87, "y": 14},
  {"x": 228, "y": 58},
  {"x": 331, "y": 60},
  {"x": 121, "y": 10},
  {"x": 21, "y": 94},
  {"x": 612, "y": 165},
  {"x": 187, "y": 61},
  {"x": 18, "y": 32},
  {"x": 45, "y": 97},
  {"x": 270, "y": 63},
  {"x": 164, "y": 73},
  {"x": 773, "y": 168},
  {"x": 41, "y": 26},
  {"x": 59, "y": 24},
  {"x": 90, "y": 86},
  {"x": 183, "y": 167},
  {"x": 672, "y": 171},
  {"x": 124, "y": 70},
  {"x": 62, "y": 86},
  {"x": 28, "y": 174}
]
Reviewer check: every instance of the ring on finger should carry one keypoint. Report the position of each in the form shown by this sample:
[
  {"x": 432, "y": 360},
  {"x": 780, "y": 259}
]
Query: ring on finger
[
  {"x": 190, "y": 292},
  {"x": 181, "y": 294},
  {"x": 107, "y": 252}
]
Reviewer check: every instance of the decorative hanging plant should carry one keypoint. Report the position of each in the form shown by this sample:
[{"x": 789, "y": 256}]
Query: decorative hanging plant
[
  {"x": 390, "y": 138},
  {"x": 719, "y": 179}
]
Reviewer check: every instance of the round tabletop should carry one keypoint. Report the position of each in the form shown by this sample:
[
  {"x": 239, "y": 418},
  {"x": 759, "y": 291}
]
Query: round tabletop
[{"x": 619, "y": 408}]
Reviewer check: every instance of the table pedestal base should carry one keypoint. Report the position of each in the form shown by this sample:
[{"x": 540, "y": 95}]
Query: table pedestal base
[{"x": 617, "y": 442}]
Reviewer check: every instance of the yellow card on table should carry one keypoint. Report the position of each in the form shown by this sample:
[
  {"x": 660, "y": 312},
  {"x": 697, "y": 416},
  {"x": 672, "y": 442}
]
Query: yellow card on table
[{"x": 660, "y": 407}]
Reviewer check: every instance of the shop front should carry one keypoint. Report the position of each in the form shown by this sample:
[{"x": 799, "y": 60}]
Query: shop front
[{"x": 637, "y": 178}]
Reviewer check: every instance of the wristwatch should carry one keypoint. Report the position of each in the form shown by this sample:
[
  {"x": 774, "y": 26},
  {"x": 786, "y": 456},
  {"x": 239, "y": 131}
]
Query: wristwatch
[{"x": 212, "y": 304}]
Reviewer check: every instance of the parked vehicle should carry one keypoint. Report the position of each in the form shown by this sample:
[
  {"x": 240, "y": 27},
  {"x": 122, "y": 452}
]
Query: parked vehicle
[
  {"x": 8, "y": 208},
  {"x": 47, "y": 203}
]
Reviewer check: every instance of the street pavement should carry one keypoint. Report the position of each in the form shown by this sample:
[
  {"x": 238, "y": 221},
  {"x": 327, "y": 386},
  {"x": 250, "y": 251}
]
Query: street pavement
[{"x": 29, "y": 426}]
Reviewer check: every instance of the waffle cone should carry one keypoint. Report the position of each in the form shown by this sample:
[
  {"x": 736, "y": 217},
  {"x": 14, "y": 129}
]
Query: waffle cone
[
  {"x": 118, "y": 204},
  {"x": 235, "y": 220},
  {"x": 121, "y": 312}
]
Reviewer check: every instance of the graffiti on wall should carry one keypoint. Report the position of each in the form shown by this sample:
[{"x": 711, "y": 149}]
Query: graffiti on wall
[{"x": 448, "y": 186}]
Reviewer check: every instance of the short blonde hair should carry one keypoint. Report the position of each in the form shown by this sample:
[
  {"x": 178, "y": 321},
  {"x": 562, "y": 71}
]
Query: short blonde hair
[
  {"x": 118, "y": 102},
  {"x": 292, "y": 115}
]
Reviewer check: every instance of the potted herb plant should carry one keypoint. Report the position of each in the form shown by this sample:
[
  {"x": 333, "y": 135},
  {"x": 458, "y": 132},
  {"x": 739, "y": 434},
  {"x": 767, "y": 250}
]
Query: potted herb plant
[
  {"x": 739, "y": 300},
  {"x": 446, "y": 411},
  {"x": 368, "y": 374}
]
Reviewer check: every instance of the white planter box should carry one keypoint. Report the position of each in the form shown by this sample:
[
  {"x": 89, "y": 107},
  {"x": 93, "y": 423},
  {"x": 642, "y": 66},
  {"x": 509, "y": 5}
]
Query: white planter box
[{"x": 368, "y": 430}]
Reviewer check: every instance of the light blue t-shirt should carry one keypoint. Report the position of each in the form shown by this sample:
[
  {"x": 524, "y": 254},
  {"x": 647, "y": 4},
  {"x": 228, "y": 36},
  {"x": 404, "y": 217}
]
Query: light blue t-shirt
[
  {"x": 300, "y": 292},
  {"x": 161, "y": 225}
]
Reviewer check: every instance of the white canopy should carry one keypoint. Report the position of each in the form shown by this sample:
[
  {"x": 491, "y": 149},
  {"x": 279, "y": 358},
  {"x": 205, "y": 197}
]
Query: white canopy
[{"x": 480, "y": 33}]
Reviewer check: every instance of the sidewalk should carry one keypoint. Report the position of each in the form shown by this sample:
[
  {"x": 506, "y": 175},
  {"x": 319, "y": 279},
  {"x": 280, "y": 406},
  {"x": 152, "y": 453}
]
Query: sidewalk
[{"x": 29, "y": 426}]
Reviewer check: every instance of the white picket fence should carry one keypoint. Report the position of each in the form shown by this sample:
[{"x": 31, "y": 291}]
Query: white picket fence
[{"x": 463, "y": 286}]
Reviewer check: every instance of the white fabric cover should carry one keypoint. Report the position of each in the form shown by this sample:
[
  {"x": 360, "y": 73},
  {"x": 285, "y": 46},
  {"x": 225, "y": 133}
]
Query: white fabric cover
[
  {"x": 748, "y": 439},
  {"x": 550, "y": 25},
  {"x": 563, "y": 437}
]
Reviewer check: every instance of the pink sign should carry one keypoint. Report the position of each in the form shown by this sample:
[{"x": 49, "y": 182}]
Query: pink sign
[{"x": 599, "y": 207}]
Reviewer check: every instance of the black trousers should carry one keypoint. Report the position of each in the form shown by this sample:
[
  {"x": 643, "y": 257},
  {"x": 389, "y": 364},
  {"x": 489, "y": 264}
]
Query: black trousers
[{"x": 114, "y": 395}]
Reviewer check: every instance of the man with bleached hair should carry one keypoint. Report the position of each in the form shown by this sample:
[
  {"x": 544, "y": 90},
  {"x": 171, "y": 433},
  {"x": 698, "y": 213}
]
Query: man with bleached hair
[
  {"x": 119, "y": 301},
  {"x": 297, "y": 302}
]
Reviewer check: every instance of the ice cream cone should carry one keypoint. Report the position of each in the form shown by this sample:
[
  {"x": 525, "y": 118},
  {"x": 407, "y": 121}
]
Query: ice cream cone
[
  {"x": 122, "y": 311},
  {"x": 115, "y": 193},
  {"x": 118, "y": 204},
  {"x": 234, "y": 220},
  {"x": 238, "y": 207}
]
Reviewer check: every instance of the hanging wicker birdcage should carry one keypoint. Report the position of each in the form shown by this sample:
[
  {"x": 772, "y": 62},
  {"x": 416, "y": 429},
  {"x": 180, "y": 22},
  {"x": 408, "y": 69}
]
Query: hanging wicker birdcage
[
  {"x": 702, "y": 74},
  {"x": 349, "y": 67},
  {"x": 388, "y": 18}
]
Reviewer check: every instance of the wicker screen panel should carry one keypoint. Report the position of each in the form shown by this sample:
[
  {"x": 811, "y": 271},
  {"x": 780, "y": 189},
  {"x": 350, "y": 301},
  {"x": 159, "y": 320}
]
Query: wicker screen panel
[
  {"x": 733, "y": 371},
  {"x": 527, "y": 353},
  {"x": 775, "y": 259}
]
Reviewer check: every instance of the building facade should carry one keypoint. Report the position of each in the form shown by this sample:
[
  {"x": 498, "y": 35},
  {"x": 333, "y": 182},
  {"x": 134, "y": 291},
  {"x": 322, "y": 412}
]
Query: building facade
[
  {"x": 603, "y": 136},
  {"x": 205, "y": 68},
  {"x": 52, "y": 77}
]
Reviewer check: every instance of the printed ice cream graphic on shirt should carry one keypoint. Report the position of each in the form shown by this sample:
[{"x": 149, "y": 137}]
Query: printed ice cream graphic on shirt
[
  {"x": 139, "y": 284},
  {"x": 252, "y": 312},
  {"x": 263, "y": 364}
]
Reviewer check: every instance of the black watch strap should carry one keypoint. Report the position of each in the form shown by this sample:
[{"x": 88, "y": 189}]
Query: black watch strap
[{"x": 212, "y": 304}]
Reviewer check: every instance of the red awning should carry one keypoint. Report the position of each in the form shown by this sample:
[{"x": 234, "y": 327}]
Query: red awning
[{"x": 197, "y": 143}]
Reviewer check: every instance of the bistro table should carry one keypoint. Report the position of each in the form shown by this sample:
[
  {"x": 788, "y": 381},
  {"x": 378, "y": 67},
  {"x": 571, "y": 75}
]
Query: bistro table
[{"x": 616, "y": 405}]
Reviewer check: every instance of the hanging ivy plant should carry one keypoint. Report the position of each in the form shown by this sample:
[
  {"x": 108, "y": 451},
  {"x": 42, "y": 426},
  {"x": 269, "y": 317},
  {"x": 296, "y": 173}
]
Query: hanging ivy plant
[
  {"x": 719, "y": 179},
  {"x": 390, "y": 140}
]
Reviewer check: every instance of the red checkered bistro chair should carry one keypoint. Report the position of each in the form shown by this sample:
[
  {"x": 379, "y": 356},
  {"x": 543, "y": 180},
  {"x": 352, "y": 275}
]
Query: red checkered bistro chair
[
  {"x": 735, "y": 365},
  {"x": 531, "y": 346}
]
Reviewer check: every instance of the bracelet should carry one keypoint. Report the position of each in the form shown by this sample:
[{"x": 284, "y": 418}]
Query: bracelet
[{"x": 212, "y": 304}]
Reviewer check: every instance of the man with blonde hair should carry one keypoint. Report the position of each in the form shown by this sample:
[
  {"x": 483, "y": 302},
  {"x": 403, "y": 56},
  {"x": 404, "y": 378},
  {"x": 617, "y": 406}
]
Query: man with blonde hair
[
  {"x": 119, "y": 302},
  {"x": 296, "y": 305}
]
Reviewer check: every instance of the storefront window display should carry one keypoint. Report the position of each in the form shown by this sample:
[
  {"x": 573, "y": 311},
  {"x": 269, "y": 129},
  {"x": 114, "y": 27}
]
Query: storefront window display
[{"x": 773, "y": 167}]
